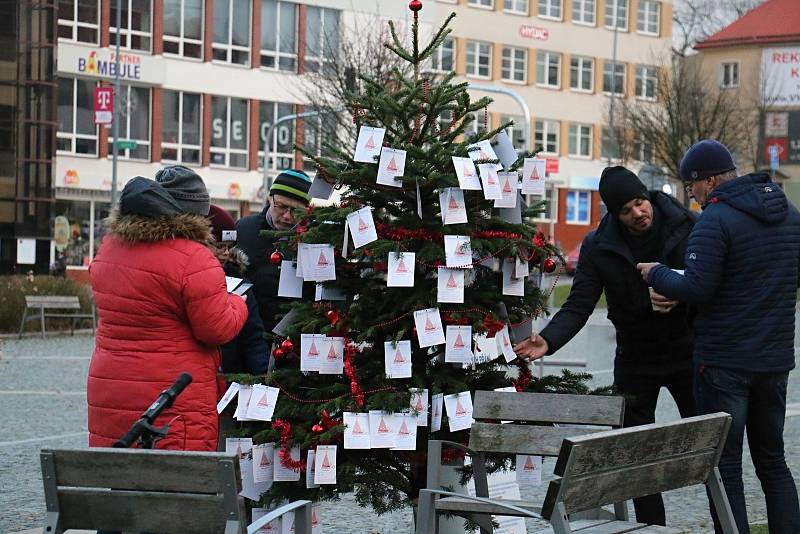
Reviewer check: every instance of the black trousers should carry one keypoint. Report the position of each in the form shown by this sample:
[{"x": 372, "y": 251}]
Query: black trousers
[{"x": 641, "y": 396}]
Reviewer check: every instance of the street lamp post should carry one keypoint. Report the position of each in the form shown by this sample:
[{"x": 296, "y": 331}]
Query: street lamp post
[{"x": 115, "y": 125}]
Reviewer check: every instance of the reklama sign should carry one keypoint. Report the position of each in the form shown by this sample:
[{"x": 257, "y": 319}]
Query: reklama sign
[{"x": 780, "y": 76}]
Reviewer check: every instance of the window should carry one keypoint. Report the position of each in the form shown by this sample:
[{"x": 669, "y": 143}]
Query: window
[
  {"x": 232, "y": 31},
  {"x": 77, "y": 132},
  {"x": 514, "y": 64},
  {"x": 617, "y": 14},
  {"x": 78, "y": 20},
  {"x": 548, "y": 69},
  {"x": 278, "y": 35},
  {"x": 443, "y": 58},
  {"x": 317, "y": 133},
  {"x": 134, "y": 106},
  {"x": 481, "y": 3},
  {"x": 322, "y": 37},
  {"x": 609, "y": 147},
  {"x": 183, "y": 28},
  {"x": 479, "y": 59},
  {"x": 643, "y": 150},
  {"x": 136, "y": 25},
  {"x": 583, "y": 11},
  {"x": 181, "y": 127},
  {"x": 281, "y": 146},
  {"x": 546, "y": 136},
  {"x": 477, "y": 125},
  {"x": 516, "y": 131},
  {"x": 580, "y": 140},
  {"x": 729, "y": 75},
  {"x": 229, "y": 131},
  {"x": 444, "y": 120},
  {"x": 550, "y": 213},
  {"x": 648, "y": 16},
  {"x": 577, "y": 207},
  {"x": 581, "y": 73},
  {"x": 516, "y": 6},
  {"x": 614, "y": 77},
  {"x": 646, "y": 82},
  {"x": 550, "y": 9}
]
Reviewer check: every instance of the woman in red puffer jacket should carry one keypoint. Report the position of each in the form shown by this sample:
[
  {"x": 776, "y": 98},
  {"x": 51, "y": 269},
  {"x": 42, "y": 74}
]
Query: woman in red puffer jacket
[{"x": 164, "y": 308}]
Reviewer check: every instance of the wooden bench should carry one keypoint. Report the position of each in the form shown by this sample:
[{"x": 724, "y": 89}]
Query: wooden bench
[
  {"x": 135, "y": 490},
  {"x": 536, "y": 435},
  {"x": 44, "y": 303}
]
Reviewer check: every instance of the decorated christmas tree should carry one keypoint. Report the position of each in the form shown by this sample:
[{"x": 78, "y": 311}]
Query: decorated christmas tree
[{"x": 426, "y": 270}]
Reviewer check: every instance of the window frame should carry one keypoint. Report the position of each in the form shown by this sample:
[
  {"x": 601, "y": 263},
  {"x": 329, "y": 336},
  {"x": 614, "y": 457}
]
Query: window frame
[
  {"x": 229, "y": 48},
  {"x": 578, "y": 138},
  {"x": 73, "y": 136},
  {"x": 642, "y": 8},
  {"x": 550, "y": 215},
  {"x": 605, "y": 141},
  {"x": 640, "y": 147},
  {"x": 181, "y": 40},
  {"x": 514, "y": 10},
  {"x": 580, "y": 69},
  {"x": 276, "y": 106},
  {"x": 437, "y": 55},
  {"x": 481, "y": 4},
  {"x": 616, "y": 4},
  {"x": 180, "y": 146},
  {"x": 127, "y": 33},
  {"x": 549, "y": 54},
  {"x": 477, "y": 44},
  {"x": 515, "y": 129},
  {"x": 545, "y": 133},
  {"x": 614, "y": 75},
  {"x": 325, "y": 57},
  {"x": 550, "y": 6},
  {"x": 512, "y": 63},
  {"x": 733, "y": 84},
  {"x": 74, "y": 24},
  {"x": 277, "y": 54},
  {"x": 640, "y": 82},
  {"x": 126, "y": 153},
  {"x": 574, "y": 218},
  {"x": 227, "y": 151},
  {"x": 581, "y": 4}
]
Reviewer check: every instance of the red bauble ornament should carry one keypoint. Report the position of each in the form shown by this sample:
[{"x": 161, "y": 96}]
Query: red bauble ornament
[
  {"x": 549, "y": 265},
  {"x": 317, "y": 429},
  {"x": 415, "y": 5},
  {"x": 276, "y": 258},
  {"x": 287, "y": 345},
  {"x": 278, "y": 353},
  {"x": 332, "y": 316}
]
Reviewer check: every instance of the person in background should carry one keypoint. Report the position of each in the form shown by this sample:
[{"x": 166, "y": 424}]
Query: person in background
[
  {"x": 163, "y": 308},
  {"x": 288, "y": 192},
  {"x": 742, "y": 266},
  {"x": 654, "y": 338}
]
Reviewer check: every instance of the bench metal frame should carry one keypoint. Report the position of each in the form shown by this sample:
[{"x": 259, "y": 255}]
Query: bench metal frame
[{"x": 43, "y": 303}]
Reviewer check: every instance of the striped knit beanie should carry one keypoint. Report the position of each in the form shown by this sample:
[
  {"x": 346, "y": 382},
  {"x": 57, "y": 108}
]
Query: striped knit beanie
[{"x": 292, "y": 183}]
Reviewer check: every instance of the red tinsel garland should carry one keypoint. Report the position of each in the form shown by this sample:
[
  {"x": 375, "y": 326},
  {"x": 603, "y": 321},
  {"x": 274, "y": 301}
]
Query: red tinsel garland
[
  {"x": 350, "y": 371},
  {"x": 285, "y": 428},
  {"x": 524, "y": 378}
]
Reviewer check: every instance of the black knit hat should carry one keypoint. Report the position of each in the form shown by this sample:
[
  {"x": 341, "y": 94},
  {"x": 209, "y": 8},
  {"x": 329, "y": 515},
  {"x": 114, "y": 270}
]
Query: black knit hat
[
  {"x": 618, "y": 186},
  {"x": 186, "y": 187},
  {"x": 705, "y": 159},
  {"x": 146, "y": 197},
  {"x": 292, "y": 183}
]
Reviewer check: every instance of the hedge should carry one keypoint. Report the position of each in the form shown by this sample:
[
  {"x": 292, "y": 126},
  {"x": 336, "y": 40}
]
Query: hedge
[{"x": 12, "y": 299}]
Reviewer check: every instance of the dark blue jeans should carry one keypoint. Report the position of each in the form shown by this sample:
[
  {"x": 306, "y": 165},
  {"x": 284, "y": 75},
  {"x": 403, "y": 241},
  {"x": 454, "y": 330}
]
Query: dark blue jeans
[{"x": 757, "y": 404}]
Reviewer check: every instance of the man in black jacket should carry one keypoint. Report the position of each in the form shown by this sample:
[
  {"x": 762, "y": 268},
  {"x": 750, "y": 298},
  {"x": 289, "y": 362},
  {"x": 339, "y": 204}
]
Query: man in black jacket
[
  {"x": 289, "y": 191},
  {"x": 654, "y": 339}
]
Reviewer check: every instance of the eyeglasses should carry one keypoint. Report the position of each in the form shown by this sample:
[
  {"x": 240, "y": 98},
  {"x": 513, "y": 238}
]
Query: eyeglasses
[
  {"x": 687, "y": 186},
  {"x": 283, "y": 208}
]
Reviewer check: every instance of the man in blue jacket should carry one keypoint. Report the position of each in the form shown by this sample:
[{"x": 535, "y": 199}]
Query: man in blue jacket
[{"x": 742, "y": 274}]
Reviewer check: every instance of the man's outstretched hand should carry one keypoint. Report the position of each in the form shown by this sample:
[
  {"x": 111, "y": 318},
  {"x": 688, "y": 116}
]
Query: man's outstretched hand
[{"x": 532, "y": 348}]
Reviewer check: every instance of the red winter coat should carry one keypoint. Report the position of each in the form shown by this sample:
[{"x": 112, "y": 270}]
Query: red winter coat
[{"x": 163, "y": 309}]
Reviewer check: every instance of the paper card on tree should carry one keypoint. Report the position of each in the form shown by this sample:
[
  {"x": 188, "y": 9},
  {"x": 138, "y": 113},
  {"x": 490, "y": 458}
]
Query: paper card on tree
[
  {"x": 459, "y": 411},
  {"x": 436, "y": 411},
  {"x": 233, "y": 389},
  {"x": 533, "y": 176},
  {"x": 504, "y": 345},
  {"x": 262, "y": 402},
  {"x": 242, "y": 403},
  {"x": 504, "y": 149},
  {"x": 406, "y": 432},
  {"x": 289, "y": 284},
  {"x": 486, "y": 348},
  {"x": 323, "y": 292},
  {"x": 311, "y": 469},
  {"x": 453, "y": 209},
  {"x": 239, "y": 446},
  {"x": 316, "y": 520},
  {"x": 400, "y": 269},
  {"x": 512, "y": 215},
  {"x": 508, "y": 190},
  {"x": 521, "y": 331},
  {"x": 490, "y": 181},
  {"x": 397, "y": 357},
  {"x": 514, "y": 287},
  {"x": 263, "y": 468},
  {"x": 332, "y": 356},
  {"x": 369, "y": 143},
  {"x": 321, "y": 188},
  {"x": 450, "y": 285},
  {"x": 287, "y": 523},
  {"x": 282, "y": 473},
  {"x": 458, "y": 348},
  {"x": 481, "y": 151},
  {"x": 318, "y": 262},
  {"x": 529, "y": 470},
  {"x": 325, "y": 465},
  {"x": 466, "y": 173},
  {"x": 419, "y": 405},
  {"x": 429, "y": 327},
  {"x": 382, "y": 431},
  {"x": 458, "y": 252},
  {"x": 391, "y": 164},
  {"x": 521, "y": 268},
  {"x": 362, "y": 227},
  {"x": 273, "y": 527},
  {"x": 311, "y": 346},
  {"x": 285, "y": 322},
  {"x": 356, "y": 431},
  {"x": 250, "y": 488}
]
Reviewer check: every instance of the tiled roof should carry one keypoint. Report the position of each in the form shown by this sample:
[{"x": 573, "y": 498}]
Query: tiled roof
[{"x": 774, "y": 21}]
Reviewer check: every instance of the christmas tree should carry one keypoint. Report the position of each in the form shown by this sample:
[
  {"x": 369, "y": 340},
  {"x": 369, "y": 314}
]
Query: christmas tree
[{"x": 416, "y": 264}]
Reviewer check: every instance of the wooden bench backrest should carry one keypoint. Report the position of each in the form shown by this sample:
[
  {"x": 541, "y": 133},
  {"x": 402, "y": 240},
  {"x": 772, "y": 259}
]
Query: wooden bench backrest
[
  {"x": 151, "y": 490},
  {"x": 544, "y": 408},
  {"x": 50, "y": 301},
  {"x": 617, "y": 465}
]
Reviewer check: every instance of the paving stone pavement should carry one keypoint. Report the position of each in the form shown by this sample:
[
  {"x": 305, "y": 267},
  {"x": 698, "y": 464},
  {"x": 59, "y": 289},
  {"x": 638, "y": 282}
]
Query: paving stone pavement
[{"x": 42, "y": 391}]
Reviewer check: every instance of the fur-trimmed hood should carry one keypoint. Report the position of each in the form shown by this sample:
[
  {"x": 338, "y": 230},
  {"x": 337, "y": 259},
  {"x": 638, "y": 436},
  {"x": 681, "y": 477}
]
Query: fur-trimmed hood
[
  {"x": 139, "y": 229},
  {"x": 236, "y": 262}
]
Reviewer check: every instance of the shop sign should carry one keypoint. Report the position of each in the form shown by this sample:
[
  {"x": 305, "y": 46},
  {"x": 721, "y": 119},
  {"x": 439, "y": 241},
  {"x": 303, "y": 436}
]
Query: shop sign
[
  {"x": 534, "y": 32},
  {"x": 100, "y": 63}
]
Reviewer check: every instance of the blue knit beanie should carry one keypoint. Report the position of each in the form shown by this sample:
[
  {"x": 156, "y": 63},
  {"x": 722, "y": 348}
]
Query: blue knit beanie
[
  {"x": 705, "y": 159},
  {"x": 292, "y": 183}
]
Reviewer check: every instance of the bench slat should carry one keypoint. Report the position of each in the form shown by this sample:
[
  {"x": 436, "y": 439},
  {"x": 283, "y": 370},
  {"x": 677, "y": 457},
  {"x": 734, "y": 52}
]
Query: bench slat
[
  {"x": 642, "y": 444},
  {"x": 134, "y": 469},
  {"x": 456, "y": 504},
  {"x": 521, "y": 439},
  {"x": 52, "y": 301},
  {"x": 549, "y": 408},
  {"x": 137, "y": 511}
]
